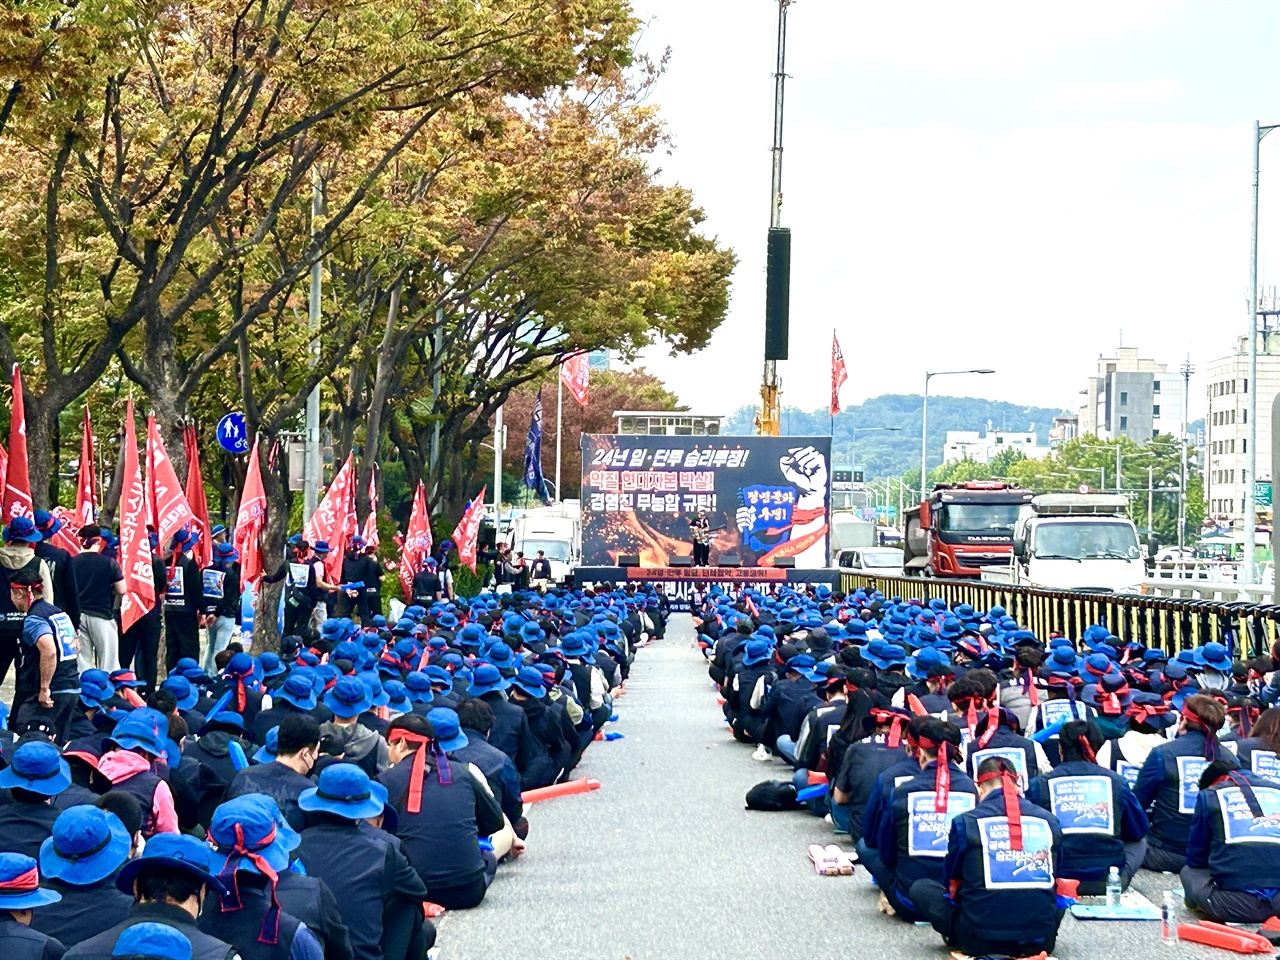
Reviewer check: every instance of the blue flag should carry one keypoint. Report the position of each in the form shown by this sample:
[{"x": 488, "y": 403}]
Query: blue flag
[{"x": 533, "y": 453}]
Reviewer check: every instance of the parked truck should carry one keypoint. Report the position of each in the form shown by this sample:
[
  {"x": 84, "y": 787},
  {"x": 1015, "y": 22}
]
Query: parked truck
[
  {"x": 1075, "y": 541},
  {"x": 962, "y": 529},
  {"x": 556, "y": 531}
]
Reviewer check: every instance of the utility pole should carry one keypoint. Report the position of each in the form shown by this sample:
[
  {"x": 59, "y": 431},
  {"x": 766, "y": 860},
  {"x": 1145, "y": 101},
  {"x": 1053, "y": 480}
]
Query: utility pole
[
  {"x": 1187, "y": 369},
  {"x": 1151, "y": 497},
  {"x": 311, "y": 447},
  {"x": 777, "y": 293}
]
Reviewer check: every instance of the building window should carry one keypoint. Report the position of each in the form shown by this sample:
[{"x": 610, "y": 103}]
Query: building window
[
  {"x": 1244, "y": 446},
  {"x": 1124, "y": 421},
  {"x": 1124, "y": 398},
  {"x": 1155, "y": 387},
  {"x": 1154, "y": 434},
  {"x": 1155, "y": 410},
  {"x": 1246, "y": 387}
]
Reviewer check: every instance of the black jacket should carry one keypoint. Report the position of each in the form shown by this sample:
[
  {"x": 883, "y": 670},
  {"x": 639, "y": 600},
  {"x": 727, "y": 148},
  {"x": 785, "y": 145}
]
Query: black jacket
[
  {"x": 203, "y": 946},
  {"x": 83, "y": 912},
  {"x": 20, "y": 942}
]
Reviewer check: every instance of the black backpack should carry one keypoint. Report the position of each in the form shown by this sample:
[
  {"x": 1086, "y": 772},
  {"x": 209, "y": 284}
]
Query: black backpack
[{"x": 773, "y": 795}]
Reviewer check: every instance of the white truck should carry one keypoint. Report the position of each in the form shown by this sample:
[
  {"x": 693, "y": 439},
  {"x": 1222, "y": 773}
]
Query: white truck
[
  {"x": 556, "y": 531},
  {"x": 1074, "y": 541}
]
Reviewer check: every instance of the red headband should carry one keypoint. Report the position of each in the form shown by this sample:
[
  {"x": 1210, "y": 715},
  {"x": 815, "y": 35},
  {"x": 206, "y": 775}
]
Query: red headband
[
  {"x": 413, "y": 803},
  {"x": 942, "y": 778},
  {"x": 1109, "y": 700},
  {"x": 23, "y": 882},
  {"x": 1012, "y": 810},
  {"x": 888, "y": 716},
  {"x": 230, "y": 901},
  {"x": 1087, "y": 748}
]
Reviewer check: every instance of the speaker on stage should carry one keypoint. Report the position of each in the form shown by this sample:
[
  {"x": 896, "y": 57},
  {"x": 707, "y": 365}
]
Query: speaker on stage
[
  {"x": 785, "y": 563},
  {"x": 730, "y": 560},
  {"x": 681, "y": 562},
  {"x": 629, "y": 561}
]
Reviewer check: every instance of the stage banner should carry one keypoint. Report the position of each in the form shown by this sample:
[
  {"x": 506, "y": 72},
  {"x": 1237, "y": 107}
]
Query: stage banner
[{"x": 767, "y": 498}]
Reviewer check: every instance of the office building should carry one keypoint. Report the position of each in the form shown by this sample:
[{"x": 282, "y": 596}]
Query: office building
[
  {"x": 1226, "y": 429},
  {"x": 985, "y": 447},
  {"x": 1132, "y": 396}
]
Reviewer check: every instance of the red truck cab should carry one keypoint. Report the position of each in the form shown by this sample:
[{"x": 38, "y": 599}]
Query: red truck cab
[{"x": 961, "y": 528}]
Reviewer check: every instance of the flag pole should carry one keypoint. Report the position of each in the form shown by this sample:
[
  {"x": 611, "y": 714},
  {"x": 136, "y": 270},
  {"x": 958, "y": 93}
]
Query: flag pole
[{"x": 559, "y": 425}]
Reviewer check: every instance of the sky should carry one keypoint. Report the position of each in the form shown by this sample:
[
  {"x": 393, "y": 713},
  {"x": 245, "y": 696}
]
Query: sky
[{"x": 1008, "y": 185}]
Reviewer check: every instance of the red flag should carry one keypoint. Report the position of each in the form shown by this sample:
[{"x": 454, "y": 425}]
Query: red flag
[
  {"x": 4, "y": 470},
  {"x": 370, "y": 534},
  {"x": 335, "y": 519},
  {"x": 838, "y": 373},
  {"x": 135, "y": 547},
  {"x": 575, "y": 374},
  {"x": 87, "y": 484},
  {"x": 196, "y": 499},
  {"x": 168, "y": 505},
  {"x": 65, "y": 537},
  {"x": 250, "y": 520},
  {"x": 417, "y": 542},
  {"x": 17, "y": 485},
  {"x": 467, "y": 532}
]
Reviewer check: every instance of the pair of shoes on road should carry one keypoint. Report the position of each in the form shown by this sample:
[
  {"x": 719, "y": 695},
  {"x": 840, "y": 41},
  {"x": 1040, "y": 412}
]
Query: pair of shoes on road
[
  {"x": 763, "y": 753},
  {"x": 830, "y": 861},
  {"x": 884, "y": 906}
]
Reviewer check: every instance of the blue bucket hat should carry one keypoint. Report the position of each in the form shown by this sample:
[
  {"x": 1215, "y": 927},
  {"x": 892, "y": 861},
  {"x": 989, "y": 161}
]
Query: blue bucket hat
[
  {"x": 449, "y": 733},
  {"x": 182, "y": 690},
  {"x": 152, "y": 941},
  {"x": 299, "y": 691},
  {"x": 20, "y": 884},
  {"x": 22, "y": 530},
  {"x": 926, "y": 658},
  {"x": 486, "y": 679},
  {"x": 803, "y": 664},
  {"x": 575, "y": 645},
  {"x": 225, "y": 551},
  {"x": 501, "y": 655},
  {"x": 418, "y": 685},
  {"x": 348, "y": 698},
  {"x": 1214, "y": 656},
  {"x": 758, "y": 651},
  {"x": 890, "y": 655},
  {"x": 1063, "y": 661},
  {"x": 270, "y": 748},
  {"x": 37, "y": 766},
  {"x": 529, "y": 680},
  {"x": 345, "y": 790},
  {"x": 87, "y": 845},
  {"x": 172, "y": 851},
  {"x": 262, "y": 832},
  {"x": 377, "y": 695},
  {"x": 271, "y": 664},
  {"x": 95, "y": 688},
  {"x": 397, "y": 696},
  {"x": 46, "y": 523}
]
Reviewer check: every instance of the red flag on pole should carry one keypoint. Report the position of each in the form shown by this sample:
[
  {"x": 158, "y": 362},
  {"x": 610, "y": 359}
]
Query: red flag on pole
[
  {"x": 250, "y": 520},
  {"x": 196, "y": 498},
  {"x": 87, "y": 483},
  {"x": 370, "y": 534},
  {"x": 135, "y": 547},
  {"x": 417, "y": 542},
  {"x": 838, "y": 373},
  {"x": 467, "y": 532},
  {"x": 575, "y": 374},
  {"x": 168, "y": 505},
  {"x": 4, "y": 470},
  {"x": 335, "y": 519},
  {"x": 17, "y": 484},
  {"x": 65, "y": 537}
]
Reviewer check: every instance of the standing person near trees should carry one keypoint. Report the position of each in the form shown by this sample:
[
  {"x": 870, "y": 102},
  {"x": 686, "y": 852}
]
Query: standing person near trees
[
  {"x": 99, "y": 581},
  {"x": 222, "y": 601},
  {"x": 183, "y": 600},
  {"x": 17, "y": 554}
]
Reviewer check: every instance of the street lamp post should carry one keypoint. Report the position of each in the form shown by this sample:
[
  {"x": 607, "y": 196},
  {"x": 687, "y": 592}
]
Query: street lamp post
[
  {"x": 924, "y": 424},
  {"x": 1102, "y": 473}
]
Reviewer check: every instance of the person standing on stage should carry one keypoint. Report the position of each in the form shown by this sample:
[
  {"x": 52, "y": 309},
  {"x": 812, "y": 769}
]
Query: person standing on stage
[{"x": 700, "y": 530}]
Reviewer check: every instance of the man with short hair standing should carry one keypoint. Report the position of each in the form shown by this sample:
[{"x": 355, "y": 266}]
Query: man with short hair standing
[{"x": 99, "y": 581}]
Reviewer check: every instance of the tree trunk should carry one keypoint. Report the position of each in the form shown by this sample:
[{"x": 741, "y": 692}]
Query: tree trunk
[
  {"x": 39, "y": 447},
  {"x": 266, "y": 629}
]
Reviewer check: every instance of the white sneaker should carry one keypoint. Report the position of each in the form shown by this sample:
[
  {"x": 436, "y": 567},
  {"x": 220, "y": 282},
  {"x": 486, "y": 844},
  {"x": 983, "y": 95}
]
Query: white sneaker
[{"x": 762, "y": 753}]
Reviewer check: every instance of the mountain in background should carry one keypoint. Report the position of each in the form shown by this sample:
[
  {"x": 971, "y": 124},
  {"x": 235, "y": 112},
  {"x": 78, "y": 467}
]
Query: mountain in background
[{"x": 884, "y": 453}]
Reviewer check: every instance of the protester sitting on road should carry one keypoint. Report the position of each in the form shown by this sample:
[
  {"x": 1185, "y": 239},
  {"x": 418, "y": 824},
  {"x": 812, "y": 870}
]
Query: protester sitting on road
[
  {"x": 286, "y": 777},
  {"x": 80, "y": 861},
  {"x": 20, "y": 896},
  {"x": 34, "y": 777},
  {"x": 862, "y": 764}
]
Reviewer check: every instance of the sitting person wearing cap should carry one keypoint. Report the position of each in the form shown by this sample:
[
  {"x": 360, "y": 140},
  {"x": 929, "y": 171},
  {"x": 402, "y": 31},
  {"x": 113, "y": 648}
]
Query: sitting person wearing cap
[
  {"x": 1170, "y": 779},
  {"x": 132, "y": 767},
  {"x": 220, "y": 583},
  {"x": 47, "y": 685},
  {"x": 444, "y": 809},
  {"x": 351, "y": 739},
  {"x": 1103, "y": 824},
  {"x": 20, "y": 896},
  {"x": 183, "y": 600},
  {"x": 239, "y": 678},
  {"x": 169, "y": 882},
  {"x": 296, "y": 696},
  {"x": 35, "y": 776},
  {"x": 790, "y": 698},
  {"x": 880, "y": 745},
  {"x": 1232, "y": 873},
  {"x": 286, "y": 777},
  {"x": 911, "y": 840},
  {"x": 510, "y": 733},
  {"x": 380, "y": 892},
  {"x": 254, "y": 851},
  {"x": 80, "y": 861},
  {"x": 471, "y": 745},
  {"x": 994, "y": 733},
  {"x": 997, "y": 894},
  {"x": 551, "y": 749},
  {"x": 748, "y": 687},
  {"x": 816, "y": 729}
]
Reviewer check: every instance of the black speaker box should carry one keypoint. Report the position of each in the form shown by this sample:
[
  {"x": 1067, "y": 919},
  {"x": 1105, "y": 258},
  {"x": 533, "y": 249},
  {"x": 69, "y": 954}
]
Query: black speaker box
[
  {"x": 730, "y": 560},
  {"x": 777, "y": 297},
  {"x": 630, "y": 561}
]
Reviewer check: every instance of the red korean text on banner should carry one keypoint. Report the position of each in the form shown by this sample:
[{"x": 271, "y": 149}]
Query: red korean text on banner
[
  {"x": 467, "y": 533},
  {"x": 17, "y": 485},
  {"x": 335, "y": 519},
  {"x": 87, "y": 482},
  {"x": 135, "y": 547},
  {"x": 417, "y": 541},
  {"x": 195, "y": 497},
  {"x": 575, "y": 374},
  {"x": 838, "y": 374},
  {"x": 65, "y": 537},
  {"x": 370, "y": 534},
  {"x": 251, "y": 518},
  {"x": 170, "y": 511}
]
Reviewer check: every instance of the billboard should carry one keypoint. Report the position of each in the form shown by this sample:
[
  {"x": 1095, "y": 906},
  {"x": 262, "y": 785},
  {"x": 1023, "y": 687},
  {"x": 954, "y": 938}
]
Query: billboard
[{"x": 765, "y": 497}]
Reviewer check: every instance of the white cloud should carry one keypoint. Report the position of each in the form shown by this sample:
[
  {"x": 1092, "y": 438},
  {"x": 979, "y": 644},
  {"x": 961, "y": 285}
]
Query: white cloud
[{"x": 1099, "y": 94}]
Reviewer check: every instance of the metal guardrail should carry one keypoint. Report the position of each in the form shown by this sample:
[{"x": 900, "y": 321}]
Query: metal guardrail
[{"x": 1171, "y": 622}]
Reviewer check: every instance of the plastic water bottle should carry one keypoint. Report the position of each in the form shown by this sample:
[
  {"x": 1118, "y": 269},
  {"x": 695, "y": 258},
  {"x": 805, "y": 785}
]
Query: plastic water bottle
[
  {"x": 1169, "y": 920},
  {"x": 1113, "y": 890}
]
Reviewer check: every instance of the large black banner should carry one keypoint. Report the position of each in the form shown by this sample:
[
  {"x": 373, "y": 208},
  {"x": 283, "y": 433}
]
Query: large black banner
[{"x": 766, "y": 498}]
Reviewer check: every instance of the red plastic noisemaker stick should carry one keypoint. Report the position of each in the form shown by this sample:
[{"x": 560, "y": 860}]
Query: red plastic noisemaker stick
[
  {"x": 816, "y": 777},
  {"x": 581, "y": 785},
  {"x": 1229, "y": 939}
]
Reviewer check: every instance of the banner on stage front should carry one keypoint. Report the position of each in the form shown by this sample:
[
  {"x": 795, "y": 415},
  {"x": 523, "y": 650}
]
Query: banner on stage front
[{"x": 767, "y": 498}]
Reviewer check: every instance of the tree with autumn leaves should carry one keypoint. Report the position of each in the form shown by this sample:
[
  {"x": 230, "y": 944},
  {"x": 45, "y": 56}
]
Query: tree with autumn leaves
[{"x": 475, "y": 179}]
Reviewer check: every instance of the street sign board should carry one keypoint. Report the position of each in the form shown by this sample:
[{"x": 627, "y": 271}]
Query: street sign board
[
  {"x": 1262, "y": 493},
  {"x": 233, "y": 433}
]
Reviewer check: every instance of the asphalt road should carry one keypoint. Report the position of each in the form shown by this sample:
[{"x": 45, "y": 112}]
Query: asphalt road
[{"x": 664, "y": 863}]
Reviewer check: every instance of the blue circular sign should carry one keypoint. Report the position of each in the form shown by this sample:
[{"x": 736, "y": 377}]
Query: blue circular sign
[{"x": 233, "y": 433}]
